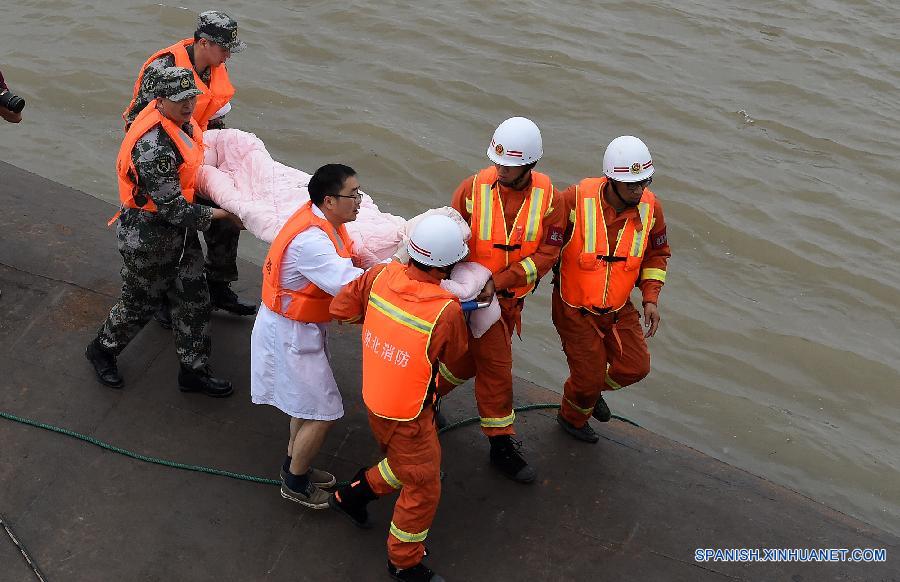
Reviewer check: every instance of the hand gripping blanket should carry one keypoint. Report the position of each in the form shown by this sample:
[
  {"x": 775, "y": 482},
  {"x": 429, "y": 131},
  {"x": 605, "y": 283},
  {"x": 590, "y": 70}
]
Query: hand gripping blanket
[
  {"x": 466, "y": 282},
  {"x": 239, "y": 175}
]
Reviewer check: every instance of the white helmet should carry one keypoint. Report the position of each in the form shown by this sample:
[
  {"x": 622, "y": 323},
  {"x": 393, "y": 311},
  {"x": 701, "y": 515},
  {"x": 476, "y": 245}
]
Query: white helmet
[
  {"x": 516, "y": 142},
  {"x": 437, "y": 241},
  {"x": 627, "y": 159}
]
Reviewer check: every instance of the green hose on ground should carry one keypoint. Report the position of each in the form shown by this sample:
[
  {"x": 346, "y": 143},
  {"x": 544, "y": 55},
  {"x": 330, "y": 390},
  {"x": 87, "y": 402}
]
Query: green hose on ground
[
  {"x": 241, "y": 476},
  {"x": 200, "y": 468}
]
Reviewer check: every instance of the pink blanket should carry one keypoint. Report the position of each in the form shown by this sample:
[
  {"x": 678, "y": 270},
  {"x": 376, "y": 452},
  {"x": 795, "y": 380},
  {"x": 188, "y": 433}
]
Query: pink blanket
[
  {"x": 466, "y": 282},
  {"x": 239, "y": 175}
]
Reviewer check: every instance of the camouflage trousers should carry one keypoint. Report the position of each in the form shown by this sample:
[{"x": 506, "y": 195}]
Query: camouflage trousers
[
  {"x": 148, "y": 276},
  {"x": 221, "y": 248}
]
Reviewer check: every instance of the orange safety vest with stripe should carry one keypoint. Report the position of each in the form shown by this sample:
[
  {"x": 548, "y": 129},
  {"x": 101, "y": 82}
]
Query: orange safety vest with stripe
[
  {"x": 214, "y": 96},
  {"x": 591, "y": 275},
  {"x": 190, "y": 148},
  {"x": 310, "y": 304},
  {"x": 491, "y": 245},
  {"x": 399, "y": 320}
]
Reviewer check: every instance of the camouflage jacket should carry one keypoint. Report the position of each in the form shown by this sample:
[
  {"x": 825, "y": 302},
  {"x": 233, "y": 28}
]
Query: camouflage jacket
[
  {"x": 156, "y": 160},
  {"x": 148, "y": 82}
]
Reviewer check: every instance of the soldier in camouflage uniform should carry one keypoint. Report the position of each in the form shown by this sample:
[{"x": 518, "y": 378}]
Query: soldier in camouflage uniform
[
  {"x": 215, "y": 39},
  {"x": 161, "y": 250}
]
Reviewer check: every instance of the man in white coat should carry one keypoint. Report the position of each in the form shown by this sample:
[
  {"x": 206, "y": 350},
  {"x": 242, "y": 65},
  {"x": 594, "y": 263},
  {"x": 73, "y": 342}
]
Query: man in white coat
[{"x": 308, "y": 263}]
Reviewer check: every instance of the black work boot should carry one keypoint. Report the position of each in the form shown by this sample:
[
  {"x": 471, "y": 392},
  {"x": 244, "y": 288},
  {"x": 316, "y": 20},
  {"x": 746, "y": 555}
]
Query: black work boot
[
  {"x": 191, "y": 380},
  {"x": 601, "y": 410},
  {"x": 583, "y": 433},
  {"x": 104, "y": 363},
  {"x": 163, "y": 316},
  {"x": 505, "y": 456},
  {"x": 222, "y": 297},
  {"x": 418, "y": 573},
  {"x": 351, "y": 500}
]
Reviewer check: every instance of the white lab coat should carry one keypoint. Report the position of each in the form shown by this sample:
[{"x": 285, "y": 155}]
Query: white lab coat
[{"x": 289, "y": 363}]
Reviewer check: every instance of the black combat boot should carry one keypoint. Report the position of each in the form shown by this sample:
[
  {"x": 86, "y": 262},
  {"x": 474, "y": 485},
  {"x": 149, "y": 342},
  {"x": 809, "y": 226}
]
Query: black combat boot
[
  {"x": 351, "y": 500},
  {"x": 191, "y": 380},
  {"x": 601, "y": 411},
  {"x": 505, "y": 456},
  {"x": 418, "y": 573},
  {"x": 104, "y": 363},
  {"x": 222, "y": 297},
  {"x": 583, "y": 433}
]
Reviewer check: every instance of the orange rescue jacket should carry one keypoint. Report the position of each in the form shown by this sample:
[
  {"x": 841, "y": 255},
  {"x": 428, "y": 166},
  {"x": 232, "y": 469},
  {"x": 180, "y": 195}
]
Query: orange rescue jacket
[
  {"x": 309, "y": 304},
  {"x": 215, "y": 95},
  {"x": 399, "y": 320},
  {"x": 491, "y": 245},
  {"x": 190, "y": 148},
  {"x": 590, "y": 276}
]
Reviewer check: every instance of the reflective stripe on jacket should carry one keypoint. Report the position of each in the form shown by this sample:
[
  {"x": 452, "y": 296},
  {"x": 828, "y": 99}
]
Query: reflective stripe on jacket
[
  {"x": 309, "y": 304},
  {"x": 400, "y": 317},
  {"x": 213, "y": 97},
  {"x": 491, "y": 245},
  {"x": 590, "y": 274},
  {"x": 190, "y": 148}
]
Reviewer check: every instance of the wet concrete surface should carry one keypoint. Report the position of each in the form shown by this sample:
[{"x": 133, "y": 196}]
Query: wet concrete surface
[{"x": 633, "y": 507}]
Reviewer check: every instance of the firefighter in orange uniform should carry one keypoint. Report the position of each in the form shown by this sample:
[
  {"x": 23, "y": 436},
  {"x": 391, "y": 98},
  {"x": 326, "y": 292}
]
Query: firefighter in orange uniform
[
  {"x": 411, "y": 328},
  {"x": 517, "y": 232},
  {"x": 616, "y": 240}
]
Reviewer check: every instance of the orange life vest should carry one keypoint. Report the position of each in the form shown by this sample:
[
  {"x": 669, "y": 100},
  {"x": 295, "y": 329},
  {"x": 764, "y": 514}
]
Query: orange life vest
[
  {"x": 400, "y": 318},
  {"x": 215, "y": 95},
  {"x": 590, "y": 276},
  {"x": 491, "y": 245},
  {"x": 190, "y": 148},
  {"x": 309, "y": 304}
]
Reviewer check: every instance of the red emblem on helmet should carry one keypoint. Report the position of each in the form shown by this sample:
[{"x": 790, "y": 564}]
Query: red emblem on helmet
[
  {"x": 499, "y": 149},
  {"x": 636, "y": 168}
]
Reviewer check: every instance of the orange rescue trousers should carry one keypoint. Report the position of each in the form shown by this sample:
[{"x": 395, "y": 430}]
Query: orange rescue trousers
[
  {"x": 489, "y": 360},
  {"x": 412, "y": 466},
  {"x": 590, "y": 342}
]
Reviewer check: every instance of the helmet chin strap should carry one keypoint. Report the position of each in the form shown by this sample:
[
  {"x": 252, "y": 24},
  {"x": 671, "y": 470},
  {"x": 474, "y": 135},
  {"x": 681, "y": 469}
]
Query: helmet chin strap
[
  {"x": 514, "y": 184},
  {"x": 520, "y": 182},
  {"x": 624, "y": 202}
]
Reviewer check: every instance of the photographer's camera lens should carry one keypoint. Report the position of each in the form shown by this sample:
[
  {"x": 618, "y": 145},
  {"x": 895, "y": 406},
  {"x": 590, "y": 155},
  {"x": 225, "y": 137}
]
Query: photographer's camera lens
[{"x": 12, "y": 102}]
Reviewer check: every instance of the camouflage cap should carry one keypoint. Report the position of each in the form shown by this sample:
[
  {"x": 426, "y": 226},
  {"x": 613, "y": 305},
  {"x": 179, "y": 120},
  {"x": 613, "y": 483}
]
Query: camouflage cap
[
  {"x": 219, "y": 28},
  {"x": 176, "y": 84}
]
